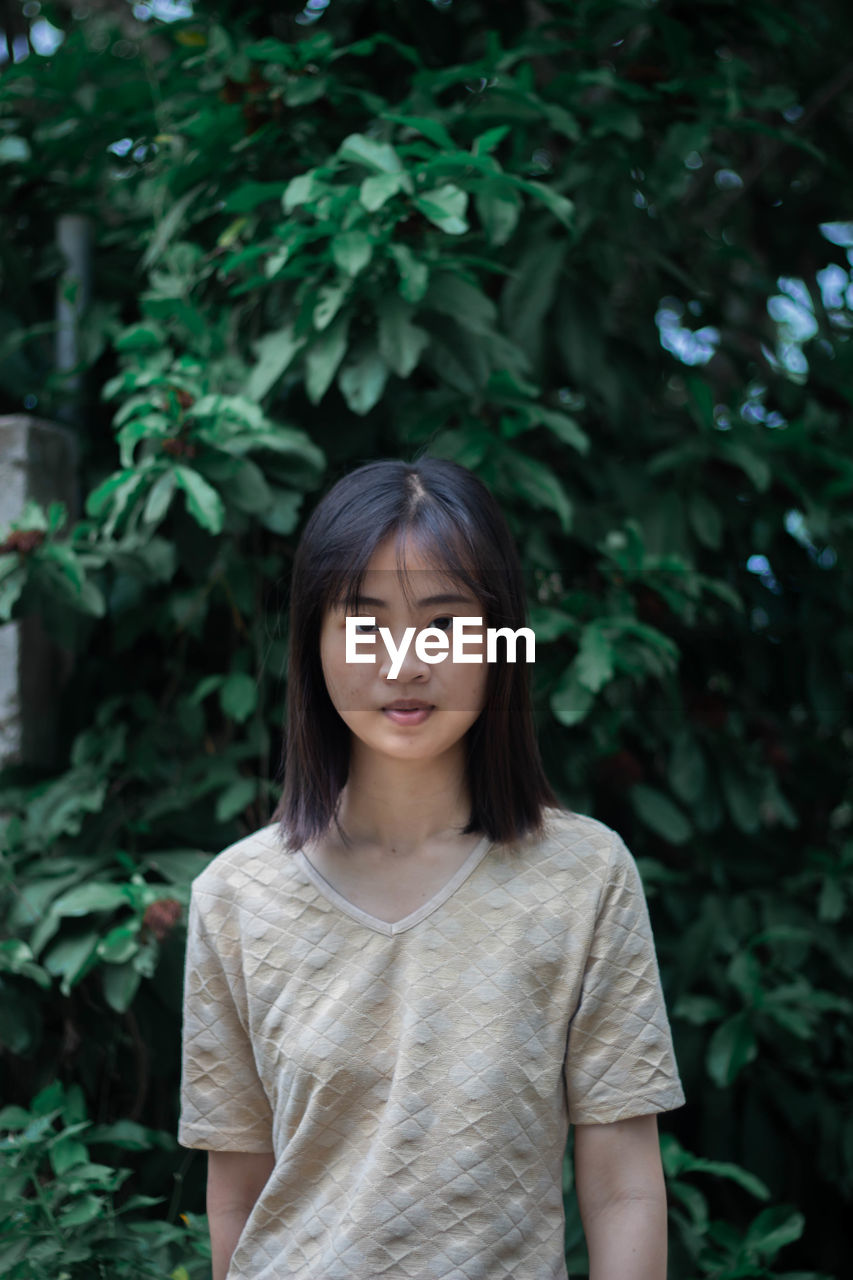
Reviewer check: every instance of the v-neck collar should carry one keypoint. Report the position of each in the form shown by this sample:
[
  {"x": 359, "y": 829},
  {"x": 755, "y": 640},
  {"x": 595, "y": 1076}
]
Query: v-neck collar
[{"x": 390, "y": 928}]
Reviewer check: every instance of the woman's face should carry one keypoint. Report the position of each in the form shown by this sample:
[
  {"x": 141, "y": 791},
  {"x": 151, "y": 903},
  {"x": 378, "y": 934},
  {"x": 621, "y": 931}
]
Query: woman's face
[{"x": 361, "y": 692}]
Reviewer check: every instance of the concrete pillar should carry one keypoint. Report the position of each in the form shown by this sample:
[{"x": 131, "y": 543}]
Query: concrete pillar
[
  {"x": 38, "y": 460},
  {"x": 74, "y": 235}
]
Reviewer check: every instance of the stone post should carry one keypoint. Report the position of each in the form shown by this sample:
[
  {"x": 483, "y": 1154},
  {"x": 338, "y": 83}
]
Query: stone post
[{"x": 38, "y": 460}]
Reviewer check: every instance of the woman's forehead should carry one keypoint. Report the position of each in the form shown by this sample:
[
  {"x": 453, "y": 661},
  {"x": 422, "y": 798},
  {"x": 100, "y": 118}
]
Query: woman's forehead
[
  {"x": 421, "y": 587},
  {"x": 409, "y": 554}
]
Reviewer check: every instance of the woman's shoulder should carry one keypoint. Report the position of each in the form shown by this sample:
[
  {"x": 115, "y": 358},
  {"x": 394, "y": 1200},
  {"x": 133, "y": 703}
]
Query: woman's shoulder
[
  {"x": 576, "y": 842},
  {"x": 257, "y": 859},
  {"x": 571, "y": 830}
]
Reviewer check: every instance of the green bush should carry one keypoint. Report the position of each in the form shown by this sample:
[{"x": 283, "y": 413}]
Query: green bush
[
  {"x": 579, "y": 249},
  {"x": 58, "y": 1216}
]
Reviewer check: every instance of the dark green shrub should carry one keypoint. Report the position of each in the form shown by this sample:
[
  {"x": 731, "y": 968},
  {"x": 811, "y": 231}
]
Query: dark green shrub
[
  {"x": 579, "y": 249},
  {"x": 58, "y": 1214}
]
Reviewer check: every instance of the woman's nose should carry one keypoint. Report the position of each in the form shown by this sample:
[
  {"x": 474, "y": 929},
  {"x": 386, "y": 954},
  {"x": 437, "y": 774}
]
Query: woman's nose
[{"x": 397, "y": 655}]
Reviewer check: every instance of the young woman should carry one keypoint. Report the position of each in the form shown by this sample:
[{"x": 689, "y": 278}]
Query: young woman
[{"x": 401, "y": 993}]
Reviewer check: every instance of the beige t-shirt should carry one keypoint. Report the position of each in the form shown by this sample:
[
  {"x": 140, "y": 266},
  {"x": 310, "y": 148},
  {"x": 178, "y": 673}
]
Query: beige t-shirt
[{"x": 416, "y": 1080}]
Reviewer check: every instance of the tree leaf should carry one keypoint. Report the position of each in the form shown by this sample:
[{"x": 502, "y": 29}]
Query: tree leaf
[
  {"x": 99, "y": 500},
  {"x": 678, "y": 1161},
  {"x": 351, "y": 250},
  {"x": 550, "y": 623},
  {"x": 246, "y": 488},
  {"x": 414, "y": 273},
  {"x": 659, "y": 813},
  {"x": 538, "y": 483},
  {"x": 70, "y": 957},
  {"x": 498, "y": 207},
  {"x": 401, "y": 343},
  {"x": 467, "y": 447},
  {"x": 698, "y": 1010},
  {"x": 706, "y": 520},
  {"x": 84, "y": 1209},
  {"x": 238, "y": 695},
  {"x": 10, "y": 561},
  {"x": 379, "y": 156},
  {"x": 773, "y": 1229},
  {"x": 11, "y": 587},
  {"x": 428, "y": 126},
  {"x": 203, "y": 502},
  {"x": 299, "y": 190},
  {"x": 486, "y": 142},
  {"x": 231, "y": 408},
  {"x": 120, "y": 984},
  {"x": 130, "y": 1136},
  {"x": 17, "y": 957},
  {"x": 306, "y": 89},
  {"x": 323, "y": 358},
  {"x": 120, "y": 943},
  {"x": 66, "y": 561},
  {"x": 562, "y": 208},
  {"x": 87, "y": 898},
  {"x": 743, "y": 795},
  {"x": 732, "y": 1046},
  {"x": 271, "y": 50},
  {"x": 445, "y": 207},
  {"x": 562, "y": 121},
  {"x": 14, "y": 149},
  {"x": 274, "y": 353},
  {"x": 60, "y": 561},
  {"x": 282, "y": 515},
  {"x": 528, "y": 294},
  {"x": 248, "y": 195},
  {"x": 330, "y": 298},
  {"x": 378, "y": 188},
  {"x": 167, "y": 227},
  {"x": 147, "y": 336},
  {"x": 594, "y": 661},
  {"x": 453, "y": 295},
  {"x": 561, "y": 425},
  {"x": 235, "y": 798},
  {"x": 159, "y": 497},
  {"x": 66, "y": 1154},
  {"x": 687, "y": 774},
  {"x": 362, "y": 380},
  {"x": 571, "y": 701}
]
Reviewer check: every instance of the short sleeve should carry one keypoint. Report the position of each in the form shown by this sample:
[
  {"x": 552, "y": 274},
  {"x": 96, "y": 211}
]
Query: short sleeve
[
  {"x": 223, "y": 1103},
  {"x": 620, "y": 1060}
]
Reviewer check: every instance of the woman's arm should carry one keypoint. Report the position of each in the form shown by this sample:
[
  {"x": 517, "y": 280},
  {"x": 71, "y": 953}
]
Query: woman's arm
[
  {"x": 622, "y": 1198},
  {"x": 235, "y": 1179}
]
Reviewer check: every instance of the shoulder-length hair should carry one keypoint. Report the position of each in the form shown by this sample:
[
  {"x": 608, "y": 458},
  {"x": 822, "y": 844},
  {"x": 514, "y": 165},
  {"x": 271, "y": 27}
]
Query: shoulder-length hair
[{"x": 454, "y": 519}]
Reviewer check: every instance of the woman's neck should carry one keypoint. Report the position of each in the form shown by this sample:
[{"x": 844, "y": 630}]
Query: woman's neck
[{"x": 401, "y": 806}]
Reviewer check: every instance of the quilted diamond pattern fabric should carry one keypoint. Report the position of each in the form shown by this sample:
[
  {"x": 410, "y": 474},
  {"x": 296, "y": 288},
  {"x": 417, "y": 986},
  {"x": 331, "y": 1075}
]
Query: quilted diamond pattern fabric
[{"x": 416, "y": 1080}]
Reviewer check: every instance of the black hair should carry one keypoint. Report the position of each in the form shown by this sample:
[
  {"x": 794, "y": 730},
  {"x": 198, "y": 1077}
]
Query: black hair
[{"x": 451, "y": 514}]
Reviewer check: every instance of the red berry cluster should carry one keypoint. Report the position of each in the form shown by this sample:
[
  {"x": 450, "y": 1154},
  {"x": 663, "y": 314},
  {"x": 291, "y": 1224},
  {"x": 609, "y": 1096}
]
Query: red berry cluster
[{"x": 22, "y": 540}]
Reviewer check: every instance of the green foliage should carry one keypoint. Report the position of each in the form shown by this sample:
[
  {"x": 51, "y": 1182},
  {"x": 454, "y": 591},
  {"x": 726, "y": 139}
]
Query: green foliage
[
  {"x": 700, "y": 1246},
  {"x": 59, "y": 1216},
  {"x": 578, "y": 250},
  {"x": 716, "y": 1248}
]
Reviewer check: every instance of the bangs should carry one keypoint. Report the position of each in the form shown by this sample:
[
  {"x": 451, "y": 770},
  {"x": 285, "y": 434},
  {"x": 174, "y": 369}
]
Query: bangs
[{"x": 458, "y": 563}]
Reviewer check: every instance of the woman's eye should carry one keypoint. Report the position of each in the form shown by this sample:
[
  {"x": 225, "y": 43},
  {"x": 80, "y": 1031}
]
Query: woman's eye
[{"x": 365, "y": 628}]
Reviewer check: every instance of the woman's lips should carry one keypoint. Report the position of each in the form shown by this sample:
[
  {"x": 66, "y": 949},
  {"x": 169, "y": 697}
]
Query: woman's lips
[{"x": 416, "y": 716}]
